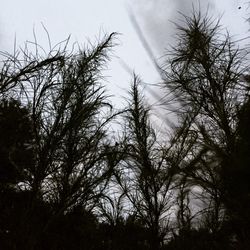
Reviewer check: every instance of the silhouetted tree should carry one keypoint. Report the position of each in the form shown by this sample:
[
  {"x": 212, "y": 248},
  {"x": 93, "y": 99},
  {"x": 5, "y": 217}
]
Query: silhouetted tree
[
  {"x": 205, "y": 75},
  {"x": 148, "y": 176},
  {"x": 60, "y": 141},
  {"x": 235, "y": 182}
]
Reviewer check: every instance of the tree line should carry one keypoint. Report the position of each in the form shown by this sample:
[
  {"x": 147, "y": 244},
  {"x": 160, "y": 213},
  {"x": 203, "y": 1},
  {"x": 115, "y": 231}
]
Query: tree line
[{"x": 66, "y": 183}]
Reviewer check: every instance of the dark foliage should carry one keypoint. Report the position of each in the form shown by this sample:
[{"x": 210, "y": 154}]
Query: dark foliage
[{"x": 16, "y": 151}]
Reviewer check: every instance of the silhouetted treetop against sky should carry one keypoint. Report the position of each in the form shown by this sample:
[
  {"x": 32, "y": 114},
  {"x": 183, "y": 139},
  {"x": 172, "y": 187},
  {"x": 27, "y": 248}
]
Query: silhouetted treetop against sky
[{"x": 68, "y": 115}]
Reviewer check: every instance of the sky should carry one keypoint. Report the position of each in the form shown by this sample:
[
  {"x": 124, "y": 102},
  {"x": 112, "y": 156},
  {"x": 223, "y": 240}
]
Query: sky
[{"x": 89, "y": 20}]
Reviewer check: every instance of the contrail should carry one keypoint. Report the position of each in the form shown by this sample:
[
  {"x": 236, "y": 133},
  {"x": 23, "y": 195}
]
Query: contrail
[{"x": 144, "y": 41}]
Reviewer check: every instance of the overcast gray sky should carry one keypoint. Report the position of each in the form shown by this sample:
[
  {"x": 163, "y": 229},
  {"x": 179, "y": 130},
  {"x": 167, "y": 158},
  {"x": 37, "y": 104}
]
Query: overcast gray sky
[{"x": 85, "y": 19}]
